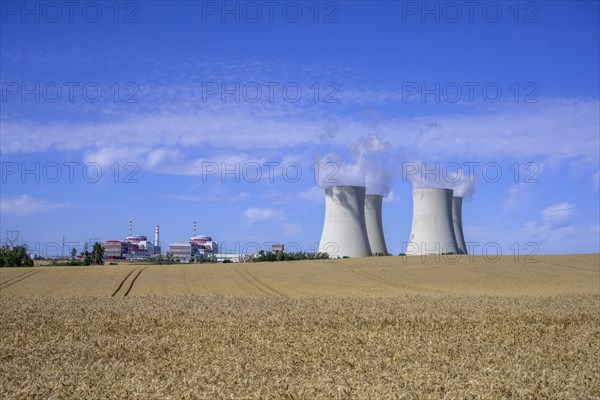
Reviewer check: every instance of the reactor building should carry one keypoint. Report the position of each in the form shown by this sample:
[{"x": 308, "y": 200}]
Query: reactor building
[
  {"x": 198, "y": 245},
  {"x": 134, "y": 247},
  {"x": 432, "y": 229},
  {"x": 344, "y": 229},
  {"x": 374, "y": 224}
]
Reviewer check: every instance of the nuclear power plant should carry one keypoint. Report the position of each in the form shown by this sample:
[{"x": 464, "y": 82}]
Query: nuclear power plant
[
  {"x": 374, "y": 223},
  {"x": 344, "y": 229},
  {"x": 457, "y": 222},
  {"x": 134, "y": 247},
  {"x": 432, "y": 229}
]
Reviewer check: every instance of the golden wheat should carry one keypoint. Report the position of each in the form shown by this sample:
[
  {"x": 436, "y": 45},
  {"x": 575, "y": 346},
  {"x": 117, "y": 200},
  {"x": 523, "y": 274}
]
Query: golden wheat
[
  {"x": 359, "y": 328},
  {"x": 268, "y": 347},
  {"x": 361, "y": 277}
]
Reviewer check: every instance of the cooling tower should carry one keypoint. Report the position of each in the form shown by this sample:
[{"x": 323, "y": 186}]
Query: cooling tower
[
  {"x": 344, "y": 230},
  {"x": 432, "y": 228},
  {"x": 457, "y": 222},
  {"x": 374, "y": 223}
]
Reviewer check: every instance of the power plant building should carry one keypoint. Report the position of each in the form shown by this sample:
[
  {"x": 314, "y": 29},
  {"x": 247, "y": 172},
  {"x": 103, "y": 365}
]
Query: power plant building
[
  {"x": 432, "y": 229},
  {"x": 457, "y": 222},
  {"x": 344, "y": 231},
  {"x": 198, "y": 245},
  {"x": 134, "y": 247},
  {"x": 374, "y": 224}
]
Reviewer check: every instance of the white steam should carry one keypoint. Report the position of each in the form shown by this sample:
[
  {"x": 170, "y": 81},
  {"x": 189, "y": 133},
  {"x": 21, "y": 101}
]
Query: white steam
[
  {"x": 439, "y": 175},
  {"x": 369, "y": 166}
]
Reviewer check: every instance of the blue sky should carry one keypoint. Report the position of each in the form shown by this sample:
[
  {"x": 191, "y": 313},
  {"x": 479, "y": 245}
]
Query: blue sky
[{"x": 138, "y": 88}]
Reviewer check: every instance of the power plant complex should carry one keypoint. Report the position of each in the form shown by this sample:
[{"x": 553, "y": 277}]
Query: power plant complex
[
  {"x": 352, "y": 227},
  {"x": 353, "y": 224}
]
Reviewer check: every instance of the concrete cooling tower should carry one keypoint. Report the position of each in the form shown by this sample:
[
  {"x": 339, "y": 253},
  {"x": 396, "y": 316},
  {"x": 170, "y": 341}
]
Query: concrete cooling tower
[
  {"x": 432, "y": 227},
  {"x": 344, "y": 230},
  {"x": 374, "y": 223},
  {"x": 457, "y": 222}
]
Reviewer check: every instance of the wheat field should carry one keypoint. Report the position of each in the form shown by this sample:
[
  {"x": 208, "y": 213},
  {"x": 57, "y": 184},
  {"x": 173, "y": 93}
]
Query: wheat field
[{"x": 385, "y": 327}]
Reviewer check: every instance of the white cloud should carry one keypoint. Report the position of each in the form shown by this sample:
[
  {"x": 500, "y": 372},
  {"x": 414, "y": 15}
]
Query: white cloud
[
  {"x": 558, "y": 215},
  {"x": 220, "y": 197},
  {"x": 254, "y": 215},
  {"x": 24, "y": 205},
  {"x": 291, "y": 229},
  {"x": 314, "y": 194},
  {"x": 534, "y": 131}
]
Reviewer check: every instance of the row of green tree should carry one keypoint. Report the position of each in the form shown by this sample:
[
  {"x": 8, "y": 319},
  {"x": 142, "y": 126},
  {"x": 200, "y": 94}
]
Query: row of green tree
[
  {"x": 94, "y": 257},
  {"x": 269, "y": 256},
  {"x": 15, "y": 257}
]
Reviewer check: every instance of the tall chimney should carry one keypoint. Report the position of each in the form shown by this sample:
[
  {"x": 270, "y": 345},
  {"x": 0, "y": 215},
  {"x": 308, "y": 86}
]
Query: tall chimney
[
  {"x": 194, "y": 228},
  {"x": 156, "y": 240},
  {"x": 130, "y": 228}
]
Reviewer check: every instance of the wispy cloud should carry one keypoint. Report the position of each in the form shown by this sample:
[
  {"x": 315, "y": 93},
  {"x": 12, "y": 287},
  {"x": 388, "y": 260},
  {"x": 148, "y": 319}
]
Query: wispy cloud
[
  {"x": 534, "y": 131},
  {"x": 222, "y": 197},
  {"x": 558, "y": 215},
  {"x": 254, "y": 215},
  {"x": 24, "y": 205},
  {"x": 314, "y": 194}
]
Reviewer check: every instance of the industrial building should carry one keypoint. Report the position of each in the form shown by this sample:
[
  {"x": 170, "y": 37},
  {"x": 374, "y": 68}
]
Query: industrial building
[
  {"x": 374, "y": 223},
  {"x": 277, "y": 248},
  {"x": 432, "y": 229},
  {"x": 134, "y": 247},
  {"x": 344, "y": 230},
  {"x": 198, "y": 245}
]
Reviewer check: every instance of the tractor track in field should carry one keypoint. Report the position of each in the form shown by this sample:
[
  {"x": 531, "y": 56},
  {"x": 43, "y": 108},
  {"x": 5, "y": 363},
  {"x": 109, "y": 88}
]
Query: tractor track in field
[
  {"x": 268, "y": 287},
  {"x": 123, "y": 282},
  {"x": 377, "y": 278},
  {"x": 258, "y": 284},
  {"x": 17, "y": 279},
  {"x": 133, "y": 281},
  {"x": 18, "y": 276}
]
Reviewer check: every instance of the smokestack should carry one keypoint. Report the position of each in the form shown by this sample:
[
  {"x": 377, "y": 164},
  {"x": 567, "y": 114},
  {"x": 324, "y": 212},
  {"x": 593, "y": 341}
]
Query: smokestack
[
  {"x": 432, "y": 227},
  {"x": 457, "y": 222},
  {"x": 374, "y": 223},
  {"x": 344, "y": 230},
  {"x": 130, "y": 228},
  {"x": 156, "y": 241},
  {"x": 194, "y": 228}
]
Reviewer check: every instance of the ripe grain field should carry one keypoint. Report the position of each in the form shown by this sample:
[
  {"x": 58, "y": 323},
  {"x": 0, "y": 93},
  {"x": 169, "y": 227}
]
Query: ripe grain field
[{"x": 359, "y": 328}]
